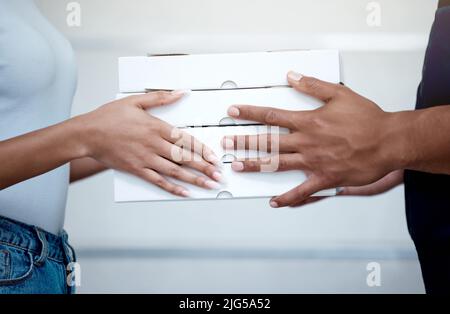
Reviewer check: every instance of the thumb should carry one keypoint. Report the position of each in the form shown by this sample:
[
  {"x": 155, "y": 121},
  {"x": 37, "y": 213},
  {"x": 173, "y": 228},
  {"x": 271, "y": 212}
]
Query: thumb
[
  {"x": 158, "y": 99},
  {"x": 311, "y": 86},
  {"x": 299, "y": 194}
]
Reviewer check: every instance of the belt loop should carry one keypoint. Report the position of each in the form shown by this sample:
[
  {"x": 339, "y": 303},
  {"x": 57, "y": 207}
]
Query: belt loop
[
  {"x": 68, "y": 250},
  {"x": 44, "y": 247}
]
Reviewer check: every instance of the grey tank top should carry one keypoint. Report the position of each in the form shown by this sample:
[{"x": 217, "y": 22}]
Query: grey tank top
[{"x": 37, "y": 85}]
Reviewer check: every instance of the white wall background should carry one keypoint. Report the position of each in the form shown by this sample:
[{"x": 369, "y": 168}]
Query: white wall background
[{"x": 243, "y": 245}]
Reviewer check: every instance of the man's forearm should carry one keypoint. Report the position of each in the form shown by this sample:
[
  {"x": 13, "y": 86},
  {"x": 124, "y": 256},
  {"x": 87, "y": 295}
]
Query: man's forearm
[{"x": 420, "y": 140}]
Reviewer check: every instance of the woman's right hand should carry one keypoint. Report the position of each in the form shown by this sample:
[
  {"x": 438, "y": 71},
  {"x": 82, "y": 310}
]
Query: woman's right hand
[{"x": 124, "y": 136}]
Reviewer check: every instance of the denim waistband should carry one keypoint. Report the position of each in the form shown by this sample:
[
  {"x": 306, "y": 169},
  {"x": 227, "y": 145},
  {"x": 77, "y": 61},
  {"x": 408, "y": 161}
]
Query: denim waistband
[{"x": 35, "y": 240}]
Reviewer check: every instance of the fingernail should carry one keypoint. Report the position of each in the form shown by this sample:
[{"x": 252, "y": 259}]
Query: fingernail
[
  {"x": 212, "y": 185},
  {"x": 237, "y": 166},
  {"x": 181, "y": 92},
  {"x": 217, "y": 176},
  {"x": 273, "y": 204},
  {"x": 227, "y": 143},
  {"x": 233, "y": 111},
  {"x": 295, "y": 76}
]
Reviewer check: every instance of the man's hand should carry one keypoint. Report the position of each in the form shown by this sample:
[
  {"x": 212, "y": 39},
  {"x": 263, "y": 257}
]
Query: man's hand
[{"x": 346, "y": 142}]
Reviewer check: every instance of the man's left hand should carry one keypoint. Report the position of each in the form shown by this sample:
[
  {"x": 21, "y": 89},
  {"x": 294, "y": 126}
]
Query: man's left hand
[{"x": 344, "y": 143}]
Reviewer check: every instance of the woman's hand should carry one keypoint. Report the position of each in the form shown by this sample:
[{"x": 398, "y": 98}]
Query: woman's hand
[
  {"x": 123, "y": 136},
  {"x": 347, "y": 142}
]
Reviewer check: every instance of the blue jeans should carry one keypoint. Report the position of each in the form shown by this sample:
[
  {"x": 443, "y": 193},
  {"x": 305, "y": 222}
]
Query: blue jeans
[{"x": 33, "y": 260}]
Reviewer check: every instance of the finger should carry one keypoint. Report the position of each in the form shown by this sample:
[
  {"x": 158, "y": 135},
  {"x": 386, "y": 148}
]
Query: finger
[
  {"x": 158, "y": 99},
  {"x": 282, "y": 162},
  {"x": 278, "y": 143},
  {"x": 183, "y": 156},
  {"x": 189, "y": 143},
  {"x": 311, "y": 200},
  {"x": 153, "y": 177},
  {"x": 173, "y": 170},
  {"x": 311, "y": 86},
  {"x": 205, "y": 168},
  {"x": 176, "y": 153},
  {"x": 190, "y": 159},
  {"x": 265, "y": 115},
  {"x": 299, "y": 194}
]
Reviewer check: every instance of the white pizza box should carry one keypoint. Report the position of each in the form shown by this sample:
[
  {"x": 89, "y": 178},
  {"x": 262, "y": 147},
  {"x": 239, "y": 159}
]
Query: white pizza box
[
  {"x": 218, "y": 81},
  {"x": 215, "y": 71}
]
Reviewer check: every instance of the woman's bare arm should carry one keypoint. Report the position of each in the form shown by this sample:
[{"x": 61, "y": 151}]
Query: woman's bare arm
[
  {"x": 35, "y": 153},
  {"x": 85, "y": 167}
]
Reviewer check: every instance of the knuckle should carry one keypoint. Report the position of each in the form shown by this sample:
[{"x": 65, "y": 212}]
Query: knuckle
[
  {"x": 312, "y": 119},
  {"x": 299, "y": 119},
  {"x": 315, "y": 121},
  {"x": 325, "y": 181},
  {"x": 311, "y": 83},
  {"x": 161, "y": 182},
  {"x": 330, "y": 181},
  {"x": 295, "y": 142},
  {"x": 135, "y": 167},
  {"x": 208, "y": 169},
  {"x": 161, "y": 97},
  {"x": 135, "y": 99},
  {"x": 132, "y": 168},
  {"x": 251, "y": 165},
  {"x": 174, "y": 172},
  {"x": 172, "y": 189},
  {"x": 341, "y": 90},
  {"x": 270, "y": 117},
  {"x": 283, "y": 164},
  {"x": 204, "y": 150},
  {"x": 176, "y": 134},
  {"x": 176, "y": 154},
  {"x": 152, "y": 128},
  {"x": 301, "y": 193},
  {"x": 200, "y": 181}
]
